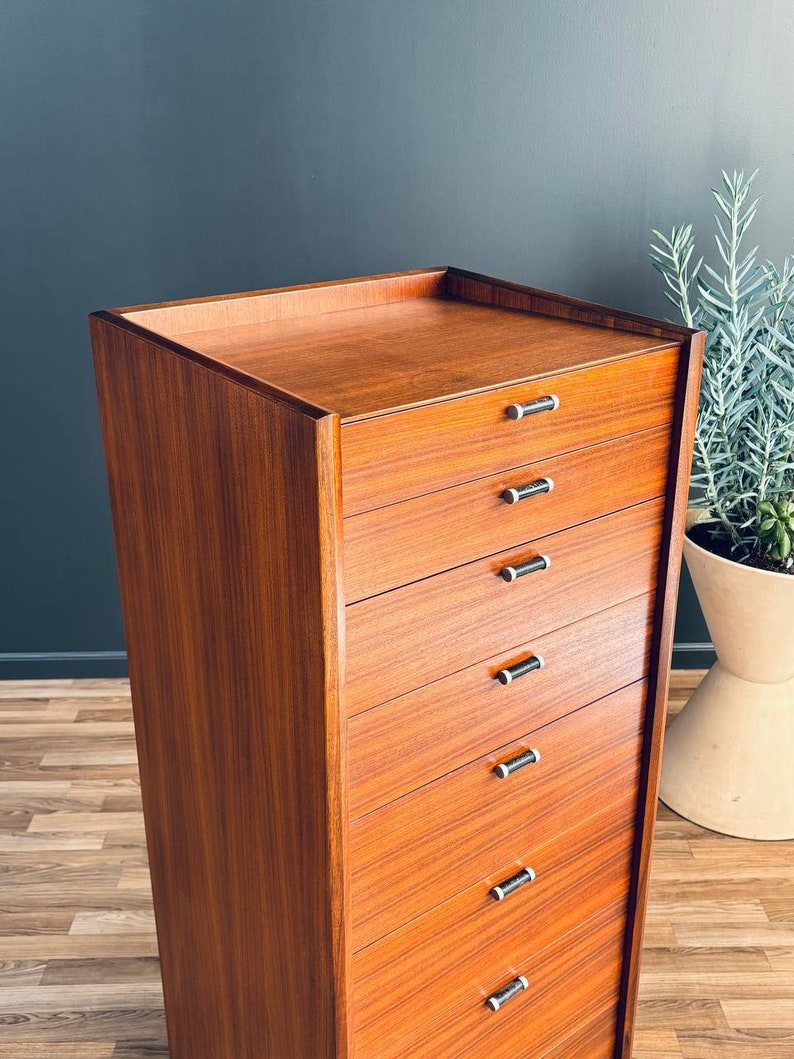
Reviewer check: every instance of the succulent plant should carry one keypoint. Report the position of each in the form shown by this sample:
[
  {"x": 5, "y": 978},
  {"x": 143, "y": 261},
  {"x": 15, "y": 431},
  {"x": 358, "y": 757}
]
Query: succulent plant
[
  {"x": 777, "y": 528},
  {"x": 743, "y": 469}
]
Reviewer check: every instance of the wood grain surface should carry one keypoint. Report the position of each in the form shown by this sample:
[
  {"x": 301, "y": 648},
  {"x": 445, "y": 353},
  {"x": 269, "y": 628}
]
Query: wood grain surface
[
  {"x": 285, "y": 303},
  {"x": 400, "y": 640},
  {"x": 666, "y": 581},
  {"x": 569, "y": 983},
  {"x": 249, "y": 878},
  {"x": 79, "y": 974},
  {"x": 418, "y": 973},
  {"x": 394, "y": 545},
  {"x": 489, "y": 290},
  {"x": 392, "y": 458},
  {"x": 405, "y": 743},
  {"x": 397, "y": 354},
  {"x": 420, "y": 850},
  {"x": 582, "y": 332},
  {"x": 229, "y": 476},
  {"x": 595, "y": 1039}
]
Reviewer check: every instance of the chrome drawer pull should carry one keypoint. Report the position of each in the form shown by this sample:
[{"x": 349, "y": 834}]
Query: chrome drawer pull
[
  {"x": 509, "y": 886},
  {"x": 520, "y": 669},
  {"x": 529, "y": 757},
  {"x": 522, "y": 492},
  {"x": 540, "y": 404},
  {"x": 507, "y": 992},
  {"x": 512, "y": 573}
]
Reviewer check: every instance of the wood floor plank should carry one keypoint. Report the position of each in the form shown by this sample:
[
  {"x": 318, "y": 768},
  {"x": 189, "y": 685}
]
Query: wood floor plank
[
  {"x": 734, "y": 936},
  {"x": 21, "y": 972},
  {"x": 717, "y": 985},
  {"x": 706, "y": 960},
  {"x": 24, "y": 713},
  {"x": 656, "y": 1044},
  {"x": 46, "y": 730},
  {"x": 781, "y": 959},
  {"x": 735, "y": 1044},
  {"x": 80, "y": 757},
  {"x": 90, "y": 1026},
  {"x": 109, "y": 922},
  {"x": 748, "y": 911},
  {"x": 75, "y": 901},
  {"x": 690, "y": 1013},
  {"x": 51, "y": 999},
  {"x": 141, "y": 1049},
  {"x": 135, "y": 878},
  {"x": 760, "y": 1013},
  {"x": 35, "y": 923},
  {"x": 48, "y": 803},
  {"x": 26, "y": 842},
  {"x": 115, "y": 969},
  {"x": 109, "y": 712},
  {"x": 55, "y": 1050},
  {"x": 77, "y": 946},
  {"x": 84, "y": 822},
  {"x": 79, "y": 974}
]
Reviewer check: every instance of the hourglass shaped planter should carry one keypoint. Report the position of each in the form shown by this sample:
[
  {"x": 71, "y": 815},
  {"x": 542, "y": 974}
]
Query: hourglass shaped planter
[{"x": 729, "y": 755}]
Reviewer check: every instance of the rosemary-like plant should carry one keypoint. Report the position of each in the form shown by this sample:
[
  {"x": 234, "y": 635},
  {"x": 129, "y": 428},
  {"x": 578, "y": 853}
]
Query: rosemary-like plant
[{"x": 743, "y": 467}]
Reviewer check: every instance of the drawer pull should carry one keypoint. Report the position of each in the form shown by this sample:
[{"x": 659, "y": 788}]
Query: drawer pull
[
  {"x": 520, "y": 669},
  {"x": 522, "y": 492},
  {"x": 512, "y": 573},
  {"x": 509, "y": 886},
  {"x": 507, "y": 992},
  {"x": 541, "y": 404},
  {"x": 529, "y": 757}
]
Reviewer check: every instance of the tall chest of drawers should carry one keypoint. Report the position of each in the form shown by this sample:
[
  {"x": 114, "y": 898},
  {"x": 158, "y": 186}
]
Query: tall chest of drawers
[{"x": 398, "y": 560}]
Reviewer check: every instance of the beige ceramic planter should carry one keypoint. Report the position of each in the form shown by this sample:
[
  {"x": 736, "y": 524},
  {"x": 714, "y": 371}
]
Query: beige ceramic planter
[{"x": 729, "y": 755}]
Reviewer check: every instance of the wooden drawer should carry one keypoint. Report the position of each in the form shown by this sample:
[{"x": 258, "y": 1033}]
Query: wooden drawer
[
  {"x": 393, "y": 457},
  {"x": 593, "y": 1040},
  {"x": 418, "y": 737},
  {"x": 440, "y": 960},
  {"x": 394, "y": 545},
  {"x": 569, "y": 984},
  {"x": 420, "y": 850},
  {"x": 406, "y": 638}
]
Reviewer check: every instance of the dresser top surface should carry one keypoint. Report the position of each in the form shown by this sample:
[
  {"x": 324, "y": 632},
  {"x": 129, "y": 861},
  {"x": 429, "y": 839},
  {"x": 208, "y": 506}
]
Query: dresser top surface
[{"x": 391, "y": 354}]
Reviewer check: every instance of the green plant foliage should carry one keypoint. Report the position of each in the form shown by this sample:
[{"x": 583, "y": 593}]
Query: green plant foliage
[
  {"x": 743, "y": 473},
  {"x": 777, "y": 527}
]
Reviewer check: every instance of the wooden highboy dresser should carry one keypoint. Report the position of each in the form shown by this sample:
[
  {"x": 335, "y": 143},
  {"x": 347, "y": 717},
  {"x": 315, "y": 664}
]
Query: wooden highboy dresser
[{"x": 398, "y": 560}]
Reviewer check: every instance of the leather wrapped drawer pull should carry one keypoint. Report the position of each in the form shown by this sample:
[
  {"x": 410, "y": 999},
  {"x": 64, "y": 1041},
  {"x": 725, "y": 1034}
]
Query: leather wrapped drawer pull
[
  {"x": 540, "y": 404},
  {"x": 531, "y": 566},
  {"x": 520, "y": 669},
  {"x": 523, "y": 492},
  {"x": 509, "y": 886},
  {"x": 505, "y": 768},
  {"x": 507, "y": 992}
]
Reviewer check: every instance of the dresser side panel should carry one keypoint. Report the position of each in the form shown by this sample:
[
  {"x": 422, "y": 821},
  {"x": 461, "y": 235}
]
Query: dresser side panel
[
  {"x": 683, "y": 430},
  {"x": 227, "y": 526}
]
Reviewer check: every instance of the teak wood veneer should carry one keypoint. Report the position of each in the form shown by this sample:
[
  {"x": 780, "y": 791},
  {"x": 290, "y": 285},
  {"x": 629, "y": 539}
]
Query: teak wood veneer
[{"x": 398, "y": 562}]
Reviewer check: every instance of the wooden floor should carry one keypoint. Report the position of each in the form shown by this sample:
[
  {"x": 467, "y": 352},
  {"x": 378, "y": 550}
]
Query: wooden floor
[{"x": 79, "y": 975}]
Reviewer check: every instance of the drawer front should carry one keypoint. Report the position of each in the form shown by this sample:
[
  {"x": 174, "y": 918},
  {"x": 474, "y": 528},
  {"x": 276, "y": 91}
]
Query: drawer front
[
  {"x": 441, "y": 960},
  {"x": 594, "y": 1040},
  {"x": 570, "y": 983},
  {"x": 404, "y": 639},
  {"x": 393, "y": 457},
  {"x": 418, "y": 737},
  {"x": 395, "y": 545},
  {"x": 420, "y": 850}
]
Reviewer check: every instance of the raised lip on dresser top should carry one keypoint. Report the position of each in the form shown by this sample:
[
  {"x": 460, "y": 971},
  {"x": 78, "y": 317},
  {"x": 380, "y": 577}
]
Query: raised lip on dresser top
[{"x": 437, "y": 319}]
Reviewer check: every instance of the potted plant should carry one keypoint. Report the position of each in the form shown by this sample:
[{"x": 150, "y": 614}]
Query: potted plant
[{"x": 729, "y": 755}]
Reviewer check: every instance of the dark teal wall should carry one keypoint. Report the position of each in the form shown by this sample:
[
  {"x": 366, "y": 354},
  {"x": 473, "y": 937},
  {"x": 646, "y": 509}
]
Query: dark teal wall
[{"x": 158, "y": 150}]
